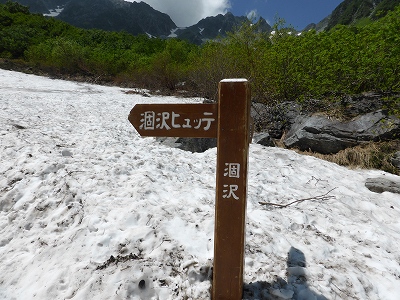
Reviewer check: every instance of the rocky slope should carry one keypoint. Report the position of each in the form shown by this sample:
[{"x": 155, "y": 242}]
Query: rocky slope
[
  {"x": 136, "y": 18},
  {"x": 353, "y": 11},
  {"x": 213, "y": 27},
  {"x": 117, "y": 15}
]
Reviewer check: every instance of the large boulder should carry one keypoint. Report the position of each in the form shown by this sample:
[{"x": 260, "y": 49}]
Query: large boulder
[
  {"x": 320, "y": 134},
  {"x": 196, "y": 144},
  {"x": 274, "y": 120},
  {"x": 263, "y": 139},
  {"x": 357, "y": 105},
  {"x": 380, "y": 185},
  {"x": 188, "y": 144}
]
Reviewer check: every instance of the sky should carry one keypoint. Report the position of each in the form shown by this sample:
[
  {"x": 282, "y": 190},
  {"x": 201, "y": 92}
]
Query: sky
[
  {"x": 91, "y": 210},
  {"x": 298, "y": 13}
]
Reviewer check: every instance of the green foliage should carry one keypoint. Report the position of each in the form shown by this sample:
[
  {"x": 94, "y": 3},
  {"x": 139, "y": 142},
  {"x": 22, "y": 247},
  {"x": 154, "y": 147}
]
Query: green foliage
[
  {"x": 363, "y": 22},
  {"x": 384, "y": 7},
  {"x": 15, "y": 40},
  {"x": 287, "y": 66},
  {"x": 61, "y": 53},
  {"x": 14, "y": 7},
  {"x": 239, "y": 55},
  {"x": 280, "y": 66},
  {"x": 209, "y": 67}
]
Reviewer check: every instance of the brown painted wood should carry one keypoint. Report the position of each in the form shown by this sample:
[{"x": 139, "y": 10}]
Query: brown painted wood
[
  {"x": 230, "y": 122},
  {"x": 231, "y": 192},
  {"x": 175, "y": 120}
]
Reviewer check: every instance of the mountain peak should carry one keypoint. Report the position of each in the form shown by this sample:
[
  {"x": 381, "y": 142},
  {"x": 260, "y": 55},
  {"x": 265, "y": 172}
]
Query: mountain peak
[
  {"x": 351, "y": 11},
  {"x": 213, "y": 27},
  {"x": 117, "y": 15}
]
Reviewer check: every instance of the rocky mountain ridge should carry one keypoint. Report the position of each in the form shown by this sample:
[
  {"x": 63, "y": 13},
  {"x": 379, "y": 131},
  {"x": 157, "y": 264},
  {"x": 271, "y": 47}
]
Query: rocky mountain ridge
[
  {"x": 117, "y": 15},
  {"x": 135, "y": 18},
  {"x": 40, "y": 6},
  {"x": 351, "y": 12},
  {"x": 140, "y": 18},
  {"x": 213, "y": 27}
]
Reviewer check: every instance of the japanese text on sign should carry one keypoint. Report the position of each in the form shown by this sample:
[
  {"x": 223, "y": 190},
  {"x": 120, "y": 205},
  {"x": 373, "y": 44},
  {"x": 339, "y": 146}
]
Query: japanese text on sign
[
  {"x": 167, "y": 120},
  {"x": 232, "y": 170}
]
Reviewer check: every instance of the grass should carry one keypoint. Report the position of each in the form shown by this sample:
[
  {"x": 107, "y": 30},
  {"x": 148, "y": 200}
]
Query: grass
[{"x": 373, "y": 155}]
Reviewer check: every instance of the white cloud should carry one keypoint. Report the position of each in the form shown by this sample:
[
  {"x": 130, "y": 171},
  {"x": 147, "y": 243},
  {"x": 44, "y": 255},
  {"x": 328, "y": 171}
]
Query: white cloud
[
  {"x": 252, "y": 14},
  {"x": 188, "y": 12}
]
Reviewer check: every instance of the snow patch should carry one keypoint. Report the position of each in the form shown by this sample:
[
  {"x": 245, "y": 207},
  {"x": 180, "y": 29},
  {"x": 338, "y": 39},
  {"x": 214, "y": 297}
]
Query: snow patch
[{"x": 90, "y": 210}]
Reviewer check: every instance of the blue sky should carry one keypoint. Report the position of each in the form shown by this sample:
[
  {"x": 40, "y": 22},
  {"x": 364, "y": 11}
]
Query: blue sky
[{"x": 298, "y": 13}]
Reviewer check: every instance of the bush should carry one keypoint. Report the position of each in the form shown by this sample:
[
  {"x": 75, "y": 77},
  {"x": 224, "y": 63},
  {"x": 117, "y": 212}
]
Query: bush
[
  {"x": 368, "y": 156},
  {"x": 280, "y": 66}
]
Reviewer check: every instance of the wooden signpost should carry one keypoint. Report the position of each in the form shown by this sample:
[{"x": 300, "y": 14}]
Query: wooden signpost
[
  {"x": 229, "y": 122},
  {"x": 175, "y": 120}
]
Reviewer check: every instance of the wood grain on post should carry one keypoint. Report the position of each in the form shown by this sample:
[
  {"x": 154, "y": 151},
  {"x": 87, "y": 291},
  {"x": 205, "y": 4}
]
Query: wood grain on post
[{"x": 231, "y": 190}]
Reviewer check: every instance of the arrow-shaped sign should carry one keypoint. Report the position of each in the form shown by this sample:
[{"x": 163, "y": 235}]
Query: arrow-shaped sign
[{"x": 175, "y": 120}]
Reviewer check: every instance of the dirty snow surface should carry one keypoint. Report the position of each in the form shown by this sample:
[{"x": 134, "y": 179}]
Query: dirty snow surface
[{"x": 90, "y": 210}]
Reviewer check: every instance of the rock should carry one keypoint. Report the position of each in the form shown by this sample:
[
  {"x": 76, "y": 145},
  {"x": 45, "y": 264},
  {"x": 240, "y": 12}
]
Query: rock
[
  {"x": 314, "y": 134},
  {"x": 361, "y": 104},
  {"x": 380, "y": 185},
  {"x": 320, "y": 134},
  {"x": 274, "y": 119},
  {"x": 196, "y": 144},
  {"x": 168, "y": 141},
  {"x": 279, "y": 118},
  {"x": 263, "y": 139},
  {"x": 18, "y": 126},
  {"x": 396, "y": 160},
  {"x": 66, "y": 152}
]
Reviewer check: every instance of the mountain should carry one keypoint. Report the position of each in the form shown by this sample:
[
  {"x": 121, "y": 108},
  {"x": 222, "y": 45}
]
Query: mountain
[
  {"x": 320, "y": 26},
  {"x": 117, "y": 15},
  {"x": 41, "y": 6},
  {"x": 135, "y": 18},
  {"x": 112, "y": 15},
  {"x": 213, "y": 27},
  {"x": 353, "y": 11}
]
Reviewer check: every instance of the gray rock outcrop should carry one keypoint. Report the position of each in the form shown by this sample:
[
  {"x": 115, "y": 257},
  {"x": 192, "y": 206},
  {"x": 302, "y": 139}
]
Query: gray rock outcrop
[
  {"x": 274, "y": 119},
  {"x": 380, "y": 185},
  {"x": 263, "y": 139},
  {"x": 322, "y": 135},
  {"x": 308, "y": 130},
  {"x": 189, "y": 144},
  {"x": 196, "y": 144}
]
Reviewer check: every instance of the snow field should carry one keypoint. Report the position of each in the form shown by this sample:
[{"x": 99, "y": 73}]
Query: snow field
[{"x": 90, "y": 210}]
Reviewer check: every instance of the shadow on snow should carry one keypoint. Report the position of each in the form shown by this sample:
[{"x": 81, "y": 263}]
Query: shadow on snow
[{"x": 294, "y": 287}]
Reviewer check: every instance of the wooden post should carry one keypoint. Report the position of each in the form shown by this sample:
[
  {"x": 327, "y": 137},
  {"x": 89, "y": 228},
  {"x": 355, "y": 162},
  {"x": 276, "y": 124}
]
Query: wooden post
[
  {"x": 230, "y": 123},
  {"x": 231, "y": 191}
]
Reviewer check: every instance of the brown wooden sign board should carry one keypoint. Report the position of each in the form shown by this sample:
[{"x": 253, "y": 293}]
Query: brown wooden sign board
[
  {"x": 229, "y": 121},
  {"x": 175, "y": 120}
]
